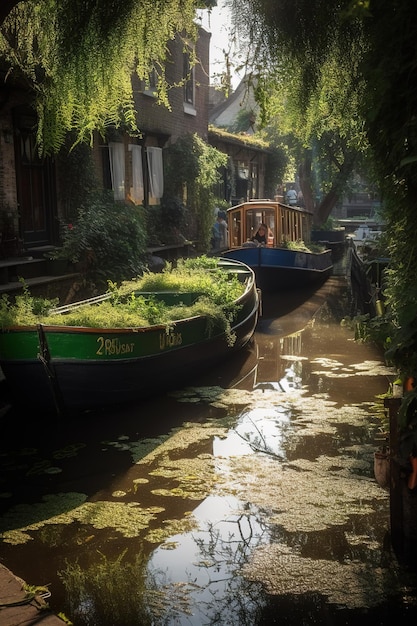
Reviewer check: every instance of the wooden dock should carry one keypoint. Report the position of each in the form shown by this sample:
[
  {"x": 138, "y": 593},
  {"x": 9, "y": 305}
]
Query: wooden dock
[{"x": 20, "y": 607}]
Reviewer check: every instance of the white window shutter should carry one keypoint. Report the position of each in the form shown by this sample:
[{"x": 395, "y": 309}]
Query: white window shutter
[
  {"x": 136, "y": 191},
  {"x": 156, "y": 171},
  {"x": 117, "y": 169}
]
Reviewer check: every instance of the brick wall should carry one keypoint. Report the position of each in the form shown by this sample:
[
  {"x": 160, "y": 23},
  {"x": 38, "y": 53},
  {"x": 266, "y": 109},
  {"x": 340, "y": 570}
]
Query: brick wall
[{"x": 156, "y": 119}]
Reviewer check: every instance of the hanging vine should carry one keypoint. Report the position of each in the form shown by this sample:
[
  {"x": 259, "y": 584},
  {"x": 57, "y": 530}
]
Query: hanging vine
[{"x": 78, "y": 57}]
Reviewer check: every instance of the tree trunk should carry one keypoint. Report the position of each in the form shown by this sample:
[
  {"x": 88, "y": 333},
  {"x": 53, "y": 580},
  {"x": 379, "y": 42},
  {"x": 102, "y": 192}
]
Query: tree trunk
[
  {"x": 328, "y": 203},
  {"x": 304, "y": 178},
  {"x": 322, "y": 210}
]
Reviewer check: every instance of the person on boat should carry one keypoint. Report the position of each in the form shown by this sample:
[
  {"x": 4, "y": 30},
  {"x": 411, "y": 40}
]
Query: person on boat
[
  {"x": 260, "y": 237},
  {"x": 292, "y": 196},
  {"x": 219, "y": 239}
]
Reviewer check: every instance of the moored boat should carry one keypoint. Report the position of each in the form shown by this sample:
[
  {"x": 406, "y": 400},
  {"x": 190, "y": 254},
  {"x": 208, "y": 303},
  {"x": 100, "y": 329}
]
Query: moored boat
[
  {"x": 72, "y": 368},
  {"x": 283, "y": 260}
]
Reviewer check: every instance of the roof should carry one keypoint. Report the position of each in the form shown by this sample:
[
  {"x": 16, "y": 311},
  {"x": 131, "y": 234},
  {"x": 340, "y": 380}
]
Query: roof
[
  {"x": 243, "y": 98},
  {"x": 241, "y": 139}
]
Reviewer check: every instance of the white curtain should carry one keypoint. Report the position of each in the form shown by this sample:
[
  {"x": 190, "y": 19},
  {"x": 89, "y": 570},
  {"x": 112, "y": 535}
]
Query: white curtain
[
  {"x": 136, "y": 191},
  {"x": 156, "y": 171},
  {"x": 117, "y": 169}
]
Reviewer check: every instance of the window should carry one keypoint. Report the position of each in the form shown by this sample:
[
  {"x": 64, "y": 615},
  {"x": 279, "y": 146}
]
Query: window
[
  {"x": 156, "y": 172},
  {"x": 136, "y": 190},
  {"x": 151, "y": 85},
  {"x": 189, "y": 84},
  {"x": 117, "y": 169},
  {"x": 133, "y": 177}
]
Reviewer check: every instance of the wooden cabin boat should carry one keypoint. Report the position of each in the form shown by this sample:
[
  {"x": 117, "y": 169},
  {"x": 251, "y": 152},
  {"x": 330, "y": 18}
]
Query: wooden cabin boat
[
  {"x": 284, "y": 261},
  {"x": 65, "y": 369}
]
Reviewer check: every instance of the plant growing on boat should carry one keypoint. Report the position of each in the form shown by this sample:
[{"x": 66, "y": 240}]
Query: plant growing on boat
[
  {"x": 301, "y": 246},
  {"x": 134, "y": 303},
  {"x": 26, "y": 309}
]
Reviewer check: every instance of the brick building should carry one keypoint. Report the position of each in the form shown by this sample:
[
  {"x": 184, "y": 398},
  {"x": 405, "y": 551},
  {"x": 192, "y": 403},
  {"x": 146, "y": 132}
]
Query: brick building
[
  {"x": 244, "y": 179},
  {"x": 31, "y": 202},
  {"x": 32, "y": 198}
]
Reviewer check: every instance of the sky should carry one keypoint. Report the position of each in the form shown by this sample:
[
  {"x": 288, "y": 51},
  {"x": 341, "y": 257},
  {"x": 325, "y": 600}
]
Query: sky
[{"x": 218, "y": 23}]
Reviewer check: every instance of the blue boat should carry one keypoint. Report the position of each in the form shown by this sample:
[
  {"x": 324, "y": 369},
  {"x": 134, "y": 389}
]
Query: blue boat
[{"x": 283, "y": 259}]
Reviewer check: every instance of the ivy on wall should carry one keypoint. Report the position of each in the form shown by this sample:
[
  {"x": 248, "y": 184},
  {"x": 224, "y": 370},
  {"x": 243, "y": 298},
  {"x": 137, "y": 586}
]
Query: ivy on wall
[{"x": 191, "y": 172}]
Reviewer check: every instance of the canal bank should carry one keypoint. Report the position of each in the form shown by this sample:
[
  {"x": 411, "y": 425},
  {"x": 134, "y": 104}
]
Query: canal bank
[{"x": 20, "y": 606}]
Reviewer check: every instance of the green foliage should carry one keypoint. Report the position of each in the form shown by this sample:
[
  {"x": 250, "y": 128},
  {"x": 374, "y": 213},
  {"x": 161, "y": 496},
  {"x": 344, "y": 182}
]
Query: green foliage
[
  {"x": 275, "y": 169},
  {"x": 300, "y": 246},
  {"x": 367, "y": 329},
  {"x": 132, "y": 304},
  {"x": 352, "y": 68},
  {"x": 193, "y": 165},
  {"x": 200, "y": 275},
  {"x": 244, "y": 122},
  {"x": 25, "y": 309},
  {"x": 399, "y": 346},
  {"x": 168, "y": 222},
  {"x": 329, "y": 224},
  {"x": 78, "y": 56},
  {"x": 107, "y": 239},
  {"x": 308, "y": 95},
  {"x": 109, "y": 578}
]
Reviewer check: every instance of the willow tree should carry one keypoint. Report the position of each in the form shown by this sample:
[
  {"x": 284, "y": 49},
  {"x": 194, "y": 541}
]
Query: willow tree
[
  {"x": 77, "y": 56},
  {"x": 302, "y": 34},
  {"x": 322, "y": 133},
  {"x": 308, "y": 93}
]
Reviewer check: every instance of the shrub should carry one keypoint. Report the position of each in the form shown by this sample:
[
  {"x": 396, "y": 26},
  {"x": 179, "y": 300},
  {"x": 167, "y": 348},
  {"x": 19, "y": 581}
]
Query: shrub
[{"x": 107, "y": 240}]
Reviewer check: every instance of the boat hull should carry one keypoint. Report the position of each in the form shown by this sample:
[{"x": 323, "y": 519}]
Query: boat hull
[
  {"x": 280, "y": 269},
  {"x": 65, "y": 369}
]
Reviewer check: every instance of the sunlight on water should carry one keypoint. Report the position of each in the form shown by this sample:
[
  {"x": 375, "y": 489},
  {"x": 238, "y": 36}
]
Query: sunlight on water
[{"x": 251, "y": 492}]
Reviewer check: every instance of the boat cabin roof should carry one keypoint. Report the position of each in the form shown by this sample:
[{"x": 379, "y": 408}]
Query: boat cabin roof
[{"x": 284, "y": 223}]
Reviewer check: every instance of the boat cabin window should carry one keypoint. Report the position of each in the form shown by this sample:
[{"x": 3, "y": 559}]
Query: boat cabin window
[
  {"x": 284, "y": 223},
  {"x": 257, "y": 216},
  {"x": 244, "y": 224},
  {"x": 292, "y": 225},
  {"x": 235, "y": 229}
]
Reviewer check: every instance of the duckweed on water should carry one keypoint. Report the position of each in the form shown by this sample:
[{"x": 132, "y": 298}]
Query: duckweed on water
[
  {"x": 172, "y": 527},
  {"x": 43, "y": 467},
  {"x": 294, "y": 497},
  {"x": 69, "y": 451},
  {"x": 218, "y": 397},
  {"x": 351, "y": 585},
  {"x": 138, "y": 449},
  {"x": 335, "y": 369},
  {"x": 65, "y": 508}
]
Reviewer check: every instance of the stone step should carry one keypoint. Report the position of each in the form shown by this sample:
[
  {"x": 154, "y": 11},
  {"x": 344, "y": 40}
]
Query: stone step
[
  {"x": 47, "y": 286},
  {"x": 13, "y": 268}
]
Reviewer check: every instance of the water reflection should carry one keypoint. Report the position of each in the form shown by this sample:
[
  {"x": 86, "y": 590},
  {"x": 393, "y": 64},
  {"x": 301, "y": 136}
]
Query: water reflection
[
  {"x": 246, "y": 497},
  {"x": 209, "y": 561},
  {"x": 256, "y": 430}
]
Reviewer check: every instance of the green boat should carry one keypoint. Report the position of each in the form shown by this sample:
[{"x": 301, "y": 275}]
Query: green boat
[{"x": 65, "y": 368}]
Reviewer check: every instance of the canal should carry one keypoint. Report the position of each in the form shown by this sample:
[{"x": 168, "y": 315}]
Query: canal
[{"x": 248, "y": 498}]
